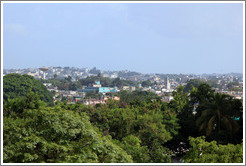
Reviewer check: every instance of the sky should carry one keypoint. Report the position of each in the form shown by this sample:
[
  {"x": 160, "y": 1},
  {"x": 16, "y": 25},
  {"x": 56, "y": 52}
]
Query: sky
[{"x": 147, "y": 38}]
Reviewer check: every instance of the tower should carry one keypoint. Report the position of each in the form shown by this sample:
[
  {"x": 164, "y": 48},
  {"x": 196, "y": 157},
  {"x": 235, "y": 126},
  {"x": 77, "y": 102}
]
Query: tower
[
  {"x": 168, "y": 84},
  {"x": 44, "y": 69}
]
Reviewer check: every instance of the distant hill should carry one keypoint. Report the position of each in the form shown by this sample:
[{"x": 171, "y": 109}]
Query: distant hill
[{"x": 16, "y": 85}]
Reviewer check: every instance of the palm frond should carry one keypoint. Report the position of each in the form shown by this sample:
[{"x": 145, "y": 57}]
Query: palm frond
[
  {"x": 210, "y": 125},
  {"x": 203, "y": 125},
  {"x": 227, "y": 123},
  {"x": 206, "y": 115}
]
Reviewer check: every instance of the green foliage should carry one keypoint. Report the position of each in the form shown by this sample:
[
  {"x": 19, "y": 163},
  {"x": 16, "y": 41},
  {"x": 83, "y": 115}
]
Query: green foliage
[
  {"x": 149, "y": 125},
  {"x": 159, "y": 154},
  {"x": 57, "y": 135},
  {"x": 171, "y": 122},
  {"x": 179, "y": 101},
  {"x": 211, "y": 152},
  {"x": 204, "y": 112},
  {"x": 117, "y": 122},
  {"x": 234, "y": 86},
  {"x": 146, "y": 83},
  {"x": 69, "y": 78},
  {"x": 64, "y": 84},
  {"x": 92, "y": 94},
  {"x": 217, "y": 118},
  {"x": 202, "y": 94},
  {"x": 119, "y": 82},
  {"x": 17, "y": 105},
  {"x": 16, "y": 85},
  {"x": 231, "y": 84},
  {"x": 213, "y": 84},
  {"x": 137, "y": 98},
  {"x": 89, "y": 80},
  {"x": 139, "y": 128},
  {"x": 55, "y": 76},
  {"x": 132, "y": 145},
  {"x": 72, "y": 86},
  {"x": 151, "y": 128},
  {"x": 193, "y": 82}
]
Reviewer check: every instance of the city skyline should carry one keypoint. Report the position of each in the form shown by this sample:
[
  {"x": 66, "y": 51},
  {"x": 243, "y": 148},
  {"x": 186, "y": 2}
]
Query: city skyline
[
  {"x": 117, "y": 70},
  {"x": 146, "y": 38}
]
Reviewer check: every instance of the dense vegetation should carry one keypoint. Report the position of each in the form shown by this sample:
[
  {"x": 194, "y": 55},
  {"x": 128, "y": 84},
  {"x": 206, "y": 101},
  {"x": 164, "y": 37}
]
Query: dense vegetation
[
  {"x": 139, "y": 128},
  {"x": 53, "y": 134},
  {"x": 16, "y": 85},
  {"x": 211, "y": 152}
]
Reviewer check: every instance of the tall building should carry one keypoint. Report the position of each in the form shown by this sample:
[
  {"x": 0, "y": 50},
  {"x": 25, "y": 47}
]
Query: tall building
[{"x": 168, "y": 84}]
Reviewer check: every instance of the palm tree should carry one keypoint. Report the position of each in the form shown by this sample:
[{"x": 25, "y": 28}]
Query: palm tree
[{"x": 218, "y": 115}]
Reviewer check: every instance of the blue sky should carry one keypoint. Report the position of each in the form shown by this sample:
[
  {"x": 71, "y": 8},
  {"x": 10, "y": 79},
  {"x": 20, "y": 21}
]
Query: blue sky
[{"x": 147, "y": 38}]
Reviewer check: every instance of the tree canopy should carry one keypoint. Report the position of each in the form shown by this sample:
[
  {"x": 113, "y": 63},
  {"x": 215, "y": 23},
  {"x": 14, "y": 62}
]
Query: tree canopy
[
  {"x": 211, "y": 152},
  {"x": 139, "y": 128},
  {"x": 57, "y": 135},
  {"x": 16, "y": 85}
]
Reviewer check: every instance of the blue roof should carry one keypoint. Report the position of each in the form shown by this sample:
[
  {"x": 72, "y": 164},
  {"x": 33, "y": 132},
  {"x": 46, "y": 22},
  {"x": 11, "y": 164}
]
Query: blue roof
[{"x": 97, "y": 82}]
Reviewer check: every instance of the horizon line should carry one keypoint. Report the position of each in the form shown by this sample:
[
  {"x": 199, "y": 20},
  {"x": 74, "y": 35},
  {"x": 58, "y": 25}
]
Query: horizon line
[{"x": 123, "y": 70}]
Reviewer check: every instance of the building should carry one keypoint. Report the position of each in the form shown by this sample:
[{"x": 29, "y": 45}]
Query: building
[
  {"x": 89, "y": 89},
  {"x": 76, "y": 98},
  {"x": 132, "y": 88},
  {"x": 125, "y": 88},
  {"x": 98, "y": 88},
  {"x": 95, "y": 101},
  {"x": 167, "y": 98},
  {"x": 112, "y": 98},
  {"x": 168, "y": 84},
  {"x": 92, "y": 101},
  {"x": 97, "y": 84}
]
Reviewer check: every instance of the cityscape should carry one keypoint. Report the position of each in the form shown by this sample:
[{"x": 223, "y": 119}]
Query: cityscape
[
  {"x": 122, "y": 82},
  {"x": 161, "y": 84}
]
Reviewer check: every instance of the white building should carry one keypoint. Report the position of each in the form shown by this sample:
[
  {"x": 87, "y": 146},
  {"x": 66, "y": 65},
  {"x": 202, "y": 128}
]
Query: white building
[{"x": 168, "y": 84}]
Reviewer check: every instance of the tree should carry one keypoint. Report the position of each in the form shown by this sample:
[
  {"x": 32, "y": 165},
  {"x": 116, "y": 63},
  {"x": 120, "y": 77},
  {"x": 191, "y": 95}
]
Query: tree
[
  {"x": 217, "y": 117},
  {"x": 132, "y": 145},
  {"x": 149, "y": 124},
  {"x": 55, "y": 135},
  {"x": 16, "y": 85},
  {"x": 211, "y": 152},
  {"x": 89, "y": 80},
  {"x": 92, "y": 94},
  {"x": 180, "y": 100},
  {"x": 99, "y": 75},
  {"x": 73, "y": 86},
  {"x": 137, "y": 97},
  {"x": 55, "y": 76},
  {"x": 117, "y": 82},
  {"x": 19, "y": 104},
  {"x": 151, "y": 128},
  {"x": 159, "y": 154},
  {"x": 231, "y": 84},
  {"x": 202, "y": 94},
  {"x": 146, "y": 83},
  {"x": 193, "y": 82},
  {"x": 214, "y": 84},
  {"x": 69, "y": 78},
  {"x": 184, "y": 104}
]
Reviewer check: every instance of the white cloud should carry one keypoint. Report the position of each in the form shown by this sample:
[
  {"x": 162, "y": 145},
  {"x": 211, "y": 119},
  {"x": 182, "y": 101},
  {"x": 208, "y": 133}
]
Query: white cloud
[{"x": 15, "y": 29}]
